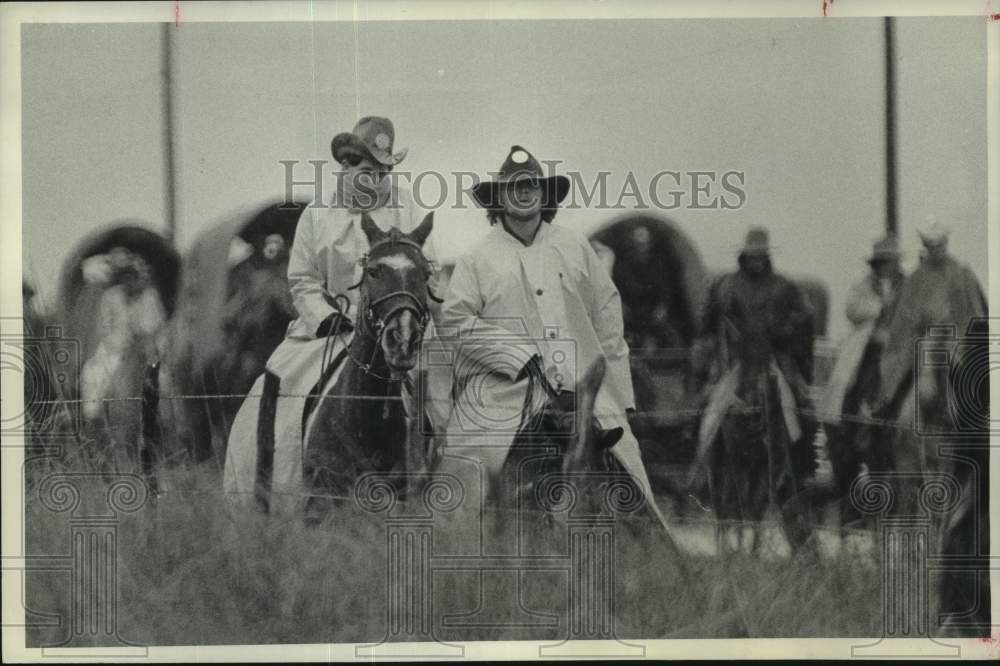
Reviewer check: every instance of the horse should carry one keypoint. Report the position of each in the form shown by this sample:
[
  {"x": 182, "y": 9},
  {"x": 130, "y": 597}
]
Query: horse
[
  {"x": 757, "y": 464},
  {"x": 939, "y": 467},
  {"x": 560, "y": 483},
  {"x": 560, "y": 441},
  {"x": 346, "y": 439},
  {"x": 360, "y": 425}
]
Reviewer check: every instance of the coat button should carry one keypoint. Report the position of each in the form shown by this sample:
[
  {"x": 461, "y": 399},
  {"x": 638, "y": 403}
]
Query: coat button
[{"x": 538, "y": 291}]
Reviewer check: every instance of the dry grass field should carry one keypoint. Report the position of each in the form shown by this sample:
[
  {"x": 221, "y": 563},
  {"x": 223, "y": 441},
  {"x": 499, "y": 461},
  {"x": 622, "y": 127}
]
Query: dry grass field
[{"x": 194, "y": 568}]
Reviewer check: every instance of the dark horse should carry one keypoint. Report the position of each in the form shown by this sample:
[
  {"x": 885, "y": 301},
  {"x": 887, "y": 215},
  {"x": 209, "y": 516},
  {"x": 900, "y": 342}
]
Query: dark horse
[
  {"x": 940, "y": 468},
  {"x": 757, "y": 465},
  {"x": 361, "y": 425},
  {"x": 561, "y": 465},
  {"x": 561, "y": 442}
]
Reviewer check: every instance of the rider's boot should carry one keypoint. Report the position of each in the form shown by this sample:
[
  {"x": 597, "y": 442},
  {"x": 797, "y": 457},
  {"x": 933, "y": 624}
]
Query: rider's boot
[{"x": 265, "y": 440}]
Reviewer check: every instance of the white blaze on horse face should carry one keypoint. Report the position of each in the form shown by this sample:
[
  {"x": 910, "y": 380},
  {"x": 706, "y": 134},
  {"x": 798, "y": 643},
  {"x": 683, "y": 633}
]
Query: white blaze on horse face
[{"x": 396, "y": 262}]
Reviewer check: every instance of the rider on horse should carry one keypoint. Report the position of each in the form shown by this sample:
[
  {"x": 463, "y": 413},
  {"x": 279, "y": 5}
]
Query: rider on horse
[
  {"x": 529, "y": 289},
  {"x": 325, "y": 262},
  {"x": 940, "y": 414},
  {"x": 756, "y": 347},
  {"x": 853, "y": 385}
]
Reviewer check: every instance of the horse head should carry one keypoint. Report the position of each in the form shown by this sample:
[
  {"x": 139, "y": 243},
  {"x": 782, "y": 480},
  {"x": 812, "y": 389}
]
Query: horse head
[
  {"x": 394, "y": 288},
  {"x": 565, "y": 424},
  {"x": 587, "y": 447}
]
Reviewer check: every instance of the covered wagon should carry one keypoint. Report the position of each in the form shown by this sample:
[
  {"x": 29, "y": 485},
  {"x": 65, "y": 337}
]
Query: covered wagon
[
  {"x": 663, "y": 284},
  {"x": 233, "y": 310}
]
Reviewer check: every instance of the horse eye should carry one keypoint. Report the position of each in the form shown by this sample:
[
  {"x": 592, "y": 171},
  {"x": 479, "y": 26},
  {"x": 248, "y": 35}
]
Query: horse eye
[{"x": 374, "y": 271}]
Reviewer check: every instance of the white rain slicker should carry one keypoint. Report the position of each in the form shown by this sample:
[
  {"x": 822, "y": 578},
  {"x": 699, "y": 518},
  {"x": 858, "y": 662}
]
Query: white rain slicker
[
  {"x": 124, "y": 321},
  {"x": 507, "y": 301},
  {"x": 325, "y": 255},
  {"x": 324, "y": 261},
  {"x": 864, "y": 305}
]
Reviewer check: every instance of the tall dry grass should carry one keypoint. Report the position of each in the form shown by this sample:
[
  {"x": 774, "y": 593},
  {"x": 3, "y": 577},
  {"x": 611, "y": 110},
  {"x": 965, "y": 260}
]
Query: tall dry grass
[{"x": 195, "y": 568}]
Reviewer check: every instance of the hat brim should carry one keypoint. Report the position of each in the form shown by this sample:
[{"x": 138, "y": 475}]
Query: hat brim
[
  {"x": 348, "y": 143},
  {"x": 555, "y": 187},
  {"x": 884, "y": 257}
]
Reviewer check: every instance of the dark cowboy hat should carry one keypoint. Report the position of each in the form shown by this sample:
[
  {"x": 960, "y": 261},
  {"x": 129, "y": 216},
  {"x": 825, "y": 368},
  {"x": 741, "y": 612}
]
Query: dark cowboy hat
[
  {"x": 373, "y": 136},
  {"x": 757, "y": 242},
  {"x": 521, "y": 165},
  {"x": 885, "y": 249}
]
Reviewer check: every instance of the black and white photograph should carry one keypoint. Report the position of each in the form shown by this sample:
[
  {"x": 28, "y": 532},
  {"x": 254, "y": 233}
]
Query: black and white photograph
[{"x": 368, "y": 330}]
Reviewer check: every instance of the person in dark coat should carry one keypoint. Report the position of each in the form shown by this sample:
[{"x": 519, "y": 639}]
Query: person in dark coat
[{"x": 757, "y": 429}]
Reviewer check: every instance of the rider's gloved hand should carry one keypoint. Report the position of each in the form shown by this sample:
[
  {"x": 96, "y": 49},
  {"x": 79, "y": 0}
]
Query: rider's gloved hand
[{"x": 334, "y": 322}]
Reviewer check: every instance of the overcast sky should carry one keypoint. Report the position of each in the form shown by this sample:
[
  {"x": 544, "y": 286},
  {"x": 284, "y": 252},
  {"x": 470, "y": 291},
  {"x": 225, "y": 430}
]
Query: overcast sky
[{"x": 796, "y": 104}]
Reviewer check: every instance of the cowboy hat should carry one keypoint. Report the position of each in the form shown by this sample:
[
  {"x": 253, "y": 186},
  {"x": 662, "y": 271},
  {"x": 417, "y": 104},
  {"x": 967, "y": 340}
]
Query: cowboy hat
[
  {"x": 373, "y": 136},
  {"x": 757, "y": 242},
  {"x": 885, "y": 249},
  {"x": 521, "y": 165},
  {"x": 933, "y": 232}
]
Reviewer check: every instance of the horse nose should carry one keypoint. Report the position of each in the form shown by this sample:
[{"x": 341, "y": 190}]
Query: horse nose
[{"x": 402, "y": 331}]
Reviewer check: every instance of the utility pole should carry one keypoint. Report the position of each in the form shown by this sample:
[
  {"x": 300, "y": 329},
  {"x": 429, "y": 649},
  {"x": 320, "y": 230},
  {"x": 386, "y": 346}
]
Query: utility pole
[
  {"x": 169, "y": 111},
  {"x": 891, "y": 220}
]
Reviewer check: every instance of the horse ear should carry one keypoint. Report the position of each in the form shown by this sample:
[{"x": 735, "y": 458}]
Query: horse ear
[
  {"x": 371, "y": 229},
  {"x": 420, "y": 234},
  {"x": 592, "y": 379},
  {"x": 586, "y": 397},
  {"x": 611, "y": 437}
]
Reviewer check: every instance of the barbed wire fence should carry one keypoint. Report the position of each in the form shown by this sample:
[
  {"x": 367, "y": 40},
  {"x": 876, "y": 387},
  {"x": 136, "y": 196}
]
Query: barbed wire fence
[{"x": 101, "y": 442}]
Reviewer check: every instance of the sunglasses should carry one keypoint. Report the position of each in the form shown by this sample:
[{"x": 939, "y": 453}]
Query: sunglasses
[{"x": 351, "y": 160}]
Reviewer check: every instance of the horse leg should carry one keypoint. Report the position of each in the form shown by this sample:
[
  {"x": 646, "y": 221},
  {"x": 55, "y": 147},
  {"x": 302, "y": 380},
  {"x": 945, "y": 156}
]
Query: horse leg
[{"x": 845, "y": 467}]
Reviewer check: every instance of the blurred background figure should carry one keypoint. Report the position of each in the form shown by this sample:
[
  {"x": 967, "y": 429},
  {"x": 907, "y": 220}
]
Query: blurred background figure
[
  {"x": 940, "y": 292},
  {"x": 756, "y": 432},
  {"x": 645, "y": 301},
  {"x": 233, "y": 310},
  {"x": 256, "y": 313},
  {"x": 853, "y": 384},
  {"x": 130, "y": 318},
  {"x": 942, "y": 402}
]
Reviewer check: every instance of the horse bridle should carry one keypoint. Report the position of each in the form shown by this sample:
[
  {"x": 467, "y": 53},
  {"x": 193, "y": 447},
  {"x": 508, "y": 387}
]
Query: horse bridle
[{"x": 375, "y": 320}]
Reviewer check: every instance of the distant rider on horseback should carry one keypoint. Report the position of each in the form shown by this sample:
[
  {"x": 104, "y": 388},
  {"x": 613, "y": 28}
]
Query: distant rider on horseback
[
  {"x": 757, "y": 428},
  {"x": 853, "y": 386}
]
